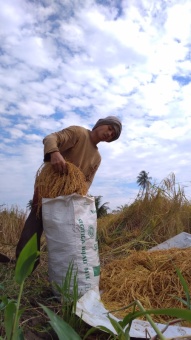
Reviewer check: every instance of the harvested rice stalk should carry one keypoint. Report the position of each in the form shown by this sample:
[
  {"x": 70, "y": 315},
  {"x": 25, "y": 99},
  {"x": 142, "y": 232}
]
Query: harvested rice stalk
[
  {"x": 50, "y": 184},
  {"x": 149, "y": 277}
]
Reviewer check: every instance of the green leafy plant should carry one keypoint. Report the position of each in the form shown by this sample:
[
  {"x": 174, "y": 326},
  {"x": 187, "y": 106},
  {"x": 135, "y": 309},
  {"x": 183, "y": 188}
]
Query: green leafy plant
[
  {"x": 186, "y": 302},
  {"x": 68, "y": 294},
  {"x": 12, "y": 311},
  {"x": 60, "y": 326},
  {"x": 122, "y": 328}
]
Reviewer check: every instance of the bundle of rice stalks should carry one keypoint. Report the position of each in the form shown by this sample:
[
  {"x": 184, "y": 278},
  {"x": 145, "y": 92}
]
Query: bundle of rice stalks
[
  {"x": 51, "y": 184},
  {"x": 149, "y": 277}
]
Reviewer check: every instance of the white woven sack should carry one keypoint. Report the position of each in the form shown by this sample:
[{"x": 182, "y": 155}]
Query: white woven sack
[{"x": 70, "y": 226}]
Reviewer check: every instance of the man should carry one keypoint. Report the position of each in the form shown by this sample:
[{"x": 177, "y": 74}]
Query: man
[{"x": 78, "y": 146}]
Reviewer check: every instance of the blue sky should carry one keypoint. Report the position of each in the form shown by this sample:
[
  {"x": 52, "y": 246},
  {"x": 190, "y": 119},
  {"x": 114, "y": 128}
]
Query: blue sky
[{"x": 66, "y": 62}]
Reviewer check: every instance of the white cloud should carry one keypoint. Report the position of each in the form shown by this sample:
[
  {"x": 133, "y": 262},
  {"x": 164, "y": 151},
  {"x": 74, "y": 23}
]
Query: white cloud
[
  {"x": 73, "y": 62},
  {"x": 179, "y": 14}
]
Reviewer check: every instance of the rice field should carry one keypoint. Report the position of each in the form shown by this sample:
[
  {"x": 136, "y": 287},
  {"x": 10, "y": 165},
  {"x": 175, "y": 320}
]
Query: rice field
[{"x": 124, "y": 240}]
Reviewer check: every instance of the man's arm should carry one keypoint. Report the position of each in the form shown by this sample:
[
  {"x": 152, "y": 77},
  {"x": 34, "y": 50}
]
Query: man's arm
[{"x": 64, "y": 139}]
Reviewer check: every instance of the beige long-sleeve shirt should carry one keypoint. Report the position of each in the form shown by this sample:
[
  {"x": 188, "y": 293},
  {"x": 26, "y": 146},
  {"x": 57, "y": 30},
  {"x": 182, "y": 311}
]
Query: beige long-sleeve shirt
[{"x": 75, "y": 145}]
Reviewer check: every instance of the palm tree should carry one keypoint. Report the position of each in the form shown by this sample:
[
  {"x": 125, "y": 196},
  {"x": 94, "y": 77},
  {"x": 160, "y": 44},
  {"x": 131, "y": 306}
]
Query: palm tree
[
  {"x": 143, "y": 180},
  {"x": 122, "y": 207},
  {"x": 29, "y": 204},
  {"x": 102, "y": 209}
]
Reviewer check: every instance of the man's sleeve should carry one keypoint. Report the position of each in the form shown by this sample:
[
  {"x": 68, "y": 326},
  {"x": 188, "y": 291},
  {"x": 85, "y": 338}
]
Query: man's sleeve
[{"x": 65, "y": 138}]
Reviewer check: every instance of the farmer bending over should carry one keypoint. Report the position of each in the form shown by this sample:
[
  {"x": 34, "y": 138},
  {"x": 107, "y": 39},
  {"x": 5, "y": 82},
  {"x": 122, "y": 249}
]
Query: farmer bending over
[{"x": 78, "y": 146}]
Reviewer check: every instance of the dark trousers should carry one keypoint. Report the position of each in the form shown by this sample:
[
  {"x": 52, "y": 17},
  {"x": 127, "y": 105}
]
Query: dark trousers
[{"x": 33, "y": 224}]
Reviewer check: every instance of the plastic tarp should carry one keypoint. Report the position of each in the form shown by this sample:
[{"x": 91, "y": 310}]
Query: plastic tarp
[
  {"x": 182, "y": 240},
  {"x": 93, "y": 312}
]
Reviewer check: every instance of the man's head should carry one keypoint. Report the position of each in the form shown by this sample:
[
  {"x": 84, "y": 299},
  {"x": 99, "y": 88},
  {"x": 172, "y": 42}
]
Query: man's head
[{"x": 112, "y": 121}]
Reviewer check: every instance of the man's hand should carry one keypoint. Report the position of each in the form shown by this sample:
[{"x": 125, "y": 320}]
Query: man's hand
[{"x": 58, "y": 162}]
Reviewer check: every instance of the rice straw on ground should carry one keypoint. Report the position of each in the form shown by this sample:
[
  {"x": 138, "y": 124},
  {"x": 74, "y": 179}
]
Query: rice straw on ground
[{"x": 149, "y": 277}]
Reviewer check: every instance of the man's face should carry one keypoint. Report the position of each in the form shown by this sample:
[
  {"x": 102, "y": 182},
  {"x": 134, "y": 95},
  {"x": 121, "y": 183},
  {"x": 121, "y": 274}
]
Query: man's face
[{"x": 106, "y": 133}]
